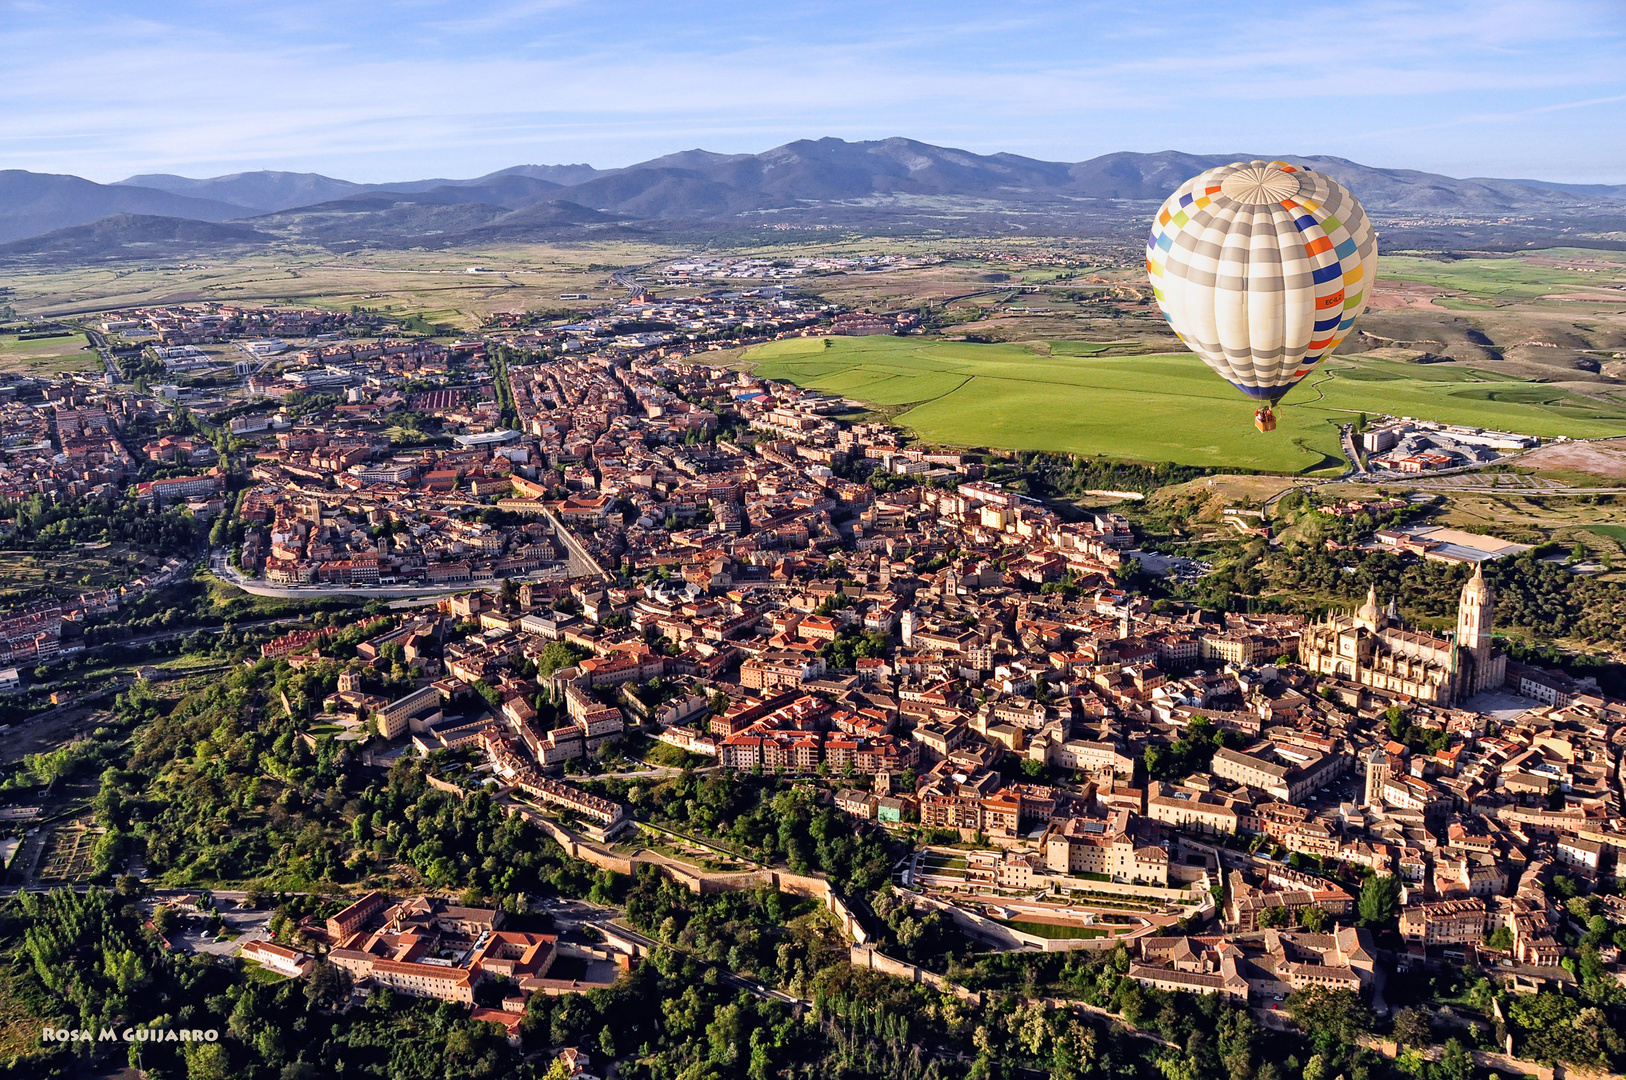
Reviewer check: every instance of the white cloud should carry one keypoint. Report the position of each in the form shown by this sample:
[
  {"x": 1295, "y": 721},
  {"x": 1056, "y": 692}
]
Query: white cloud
[{"x": 389, "y": 90}]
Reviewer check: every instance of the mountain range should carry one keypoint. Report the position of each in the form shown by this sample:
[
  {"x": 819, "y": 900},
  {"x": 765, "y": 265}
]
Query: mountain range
[{"x": 890, "y": 184}]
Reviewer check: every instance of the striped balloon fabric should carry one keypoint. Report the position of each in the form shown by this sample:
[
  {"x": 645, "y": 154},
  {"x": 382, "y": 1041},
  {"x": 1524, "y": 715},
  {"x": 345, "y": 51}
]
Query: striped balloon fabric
[{"x": 1261, "y": 268}]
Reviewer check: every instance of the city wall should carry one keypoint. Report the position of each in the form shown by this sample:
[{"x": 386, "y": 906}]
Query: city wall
[
  {"x": 872, "y": 959},
  {"x": 706, "y": 883}
]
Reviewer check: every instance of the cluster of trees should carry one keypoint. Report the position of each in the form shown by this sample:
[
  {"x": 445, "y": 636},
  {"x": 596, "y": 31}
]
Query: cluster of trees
[
  {"x": 1192, "y": 752},
  {"x": 766, "y": 819},
  {"x": 1071, "y": 476},
  {"x": 852, "y": 644},
  {"x": 220, "y": 785},
  {"x": 921, "y": 937},
  {"x": 1552, "y": 602},
  {"x": 759, "y": 933},
  {"x": 1541, "y": 597},
  {"x": 468, "y": 842},
  {"x": 85, "y": 961},
  {"x": 1553, "y": 1027},
  {"x": 43, "y": 525},
  {"x": 500, "y": 359},
  {"x": 1422, "y": 740},
  {"x": 676, "y": 1016}
]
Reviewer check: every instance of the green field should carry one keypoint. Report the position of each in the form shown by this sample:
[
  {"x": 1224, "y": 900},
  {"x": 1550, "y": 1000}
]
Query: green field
[
  {"x": 1617, "y": 533},
  {"x": 1053, "y": 931},
  {"x": 1515, "y": 278},
  {"x": 1156, "y": 408},
  {"x": 44, "y": 356}
]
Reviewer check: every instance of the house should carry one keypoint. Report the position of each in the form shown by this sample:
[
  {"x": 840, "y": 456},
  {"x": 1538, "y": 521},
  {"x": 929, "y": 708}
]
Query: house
[{"x": 284, "y": 961}]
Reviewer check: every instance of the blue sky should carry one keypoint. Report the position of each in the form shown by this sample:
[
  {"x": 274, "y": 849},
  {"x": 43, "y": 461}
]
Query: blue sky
[{"x": 396, "y": 90}]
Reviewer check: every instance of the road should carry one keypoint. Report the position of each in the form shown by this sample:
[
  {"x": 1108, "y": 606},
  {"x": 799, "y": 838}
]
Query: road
[
  {"x": 221, "y": 568},
  {"x": 99, "y": 340},
  {"x": 1346, "y": 435}
]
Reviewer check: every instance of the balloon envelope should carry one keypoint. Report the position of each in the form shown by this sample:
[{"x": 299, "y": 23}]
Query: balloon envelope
[{"x": 1261, "y": 268}]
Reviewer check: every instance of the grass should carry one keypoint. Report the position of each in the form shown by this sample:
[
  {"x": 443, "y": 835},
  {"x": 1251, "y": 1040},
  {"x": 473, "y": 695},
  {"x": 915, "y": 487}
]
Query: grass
[
  {"x": 1616, "y": 533},
  {"x": 1154, "y": 407},
  {"x": 44, "y": 356},
  {"x": 262, "y": 974},
  {"x": 1054, "y": 931},
  {"x": 21, "y": 1020},
  {"x": 1516, "y": 278}
]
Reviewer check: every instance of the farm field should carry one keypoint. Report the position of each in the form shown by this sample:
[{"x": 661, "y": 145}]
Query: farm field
[
  {"x": 1157, "y": 407},
  {"x": 46, "y": 356},
  {"x": 1496, "y": 281},
  {"x": 437, "y": 286}
]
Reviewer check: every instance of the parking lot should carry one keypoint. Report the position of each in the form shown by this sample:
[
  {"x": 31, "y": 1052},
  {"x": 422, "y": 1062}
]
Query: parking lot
[{"x": 242, "y": 927}]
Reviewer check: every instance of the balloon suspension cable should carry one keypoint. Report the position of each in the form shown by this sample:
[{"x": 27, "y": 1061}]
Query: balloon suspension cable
[{"x": 1264, "y": 418}]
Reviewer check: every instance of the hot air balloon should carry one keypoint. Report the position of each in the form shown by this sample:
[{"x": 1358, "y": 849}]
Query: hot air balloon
[{"x": 1261, "y": 268}]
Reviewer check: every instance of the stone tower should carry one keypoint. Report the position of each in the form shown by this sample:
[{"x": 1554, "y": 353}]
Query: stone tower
[
  {"x": 1475, "y": 611},
  {"x": 1377, "y": 771}
]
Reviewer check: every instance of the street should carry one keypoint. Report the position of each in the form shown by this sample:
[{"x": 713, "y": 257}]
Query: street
[{"x": 220, "y": 566}]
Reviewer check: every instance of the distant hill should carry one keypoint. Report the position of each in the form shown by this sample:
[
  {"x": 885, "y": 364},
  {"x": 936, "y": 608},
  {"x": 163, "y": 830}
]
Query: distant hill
[
  {"x": 885, "y": 185},
  {"x": 900, "y": 172},
  {"x": 260, "y": 192},
  {"x": 126, "y": 236},
  {"x": 267, "y": 191},
  {"x": 36, "y": 203}
]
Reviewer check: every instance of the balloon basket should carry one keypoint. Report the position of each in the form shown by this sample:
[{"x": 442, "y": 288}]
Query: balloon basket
[{"x": 1264, "y": 419}]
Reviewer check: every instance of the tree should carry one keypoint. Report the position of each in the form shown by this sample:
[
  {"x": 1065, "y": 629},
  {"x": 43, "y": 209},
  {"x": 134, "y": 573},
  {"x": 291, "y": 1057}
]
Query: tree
[
  {"x": 1455, "y": 1063},
  {"x": 1314, "y": 918},
  {"x": 165, "y": 919},
  {"x": 1411, "y": 1028},
  {"x": 1338, "y": 1013},
  {"x": 1380, "y": 895},
  {"x": 327, "y": 985},
  {"x": 207, "y": 1061}
]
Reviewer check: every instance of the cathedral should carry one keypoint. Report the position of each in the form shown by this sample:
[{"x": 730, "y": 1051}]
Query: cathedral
[{"x": 1371, "y": 648}]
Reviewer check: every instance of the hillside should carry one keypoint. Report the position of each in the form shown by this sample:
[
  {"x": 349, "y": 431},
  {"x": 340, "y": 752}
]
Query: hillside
[
  {"x": 32, "y": 204},
  {"x": 884, "y": 185},
  {"x": 131, "y": 236}
]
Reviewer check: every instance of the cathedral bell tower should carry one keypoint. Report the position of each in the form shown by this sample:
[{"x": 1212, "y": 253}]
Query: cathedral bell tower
[{"x": 1475, "y": 612}]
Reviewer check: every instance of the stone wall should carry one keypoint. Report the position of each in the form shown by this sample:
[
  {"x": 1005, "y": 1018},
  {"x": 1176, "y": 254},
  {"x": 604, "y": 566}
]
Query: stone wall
[
  {"x": 707, "y": 883},
  {"x": 872, "y": 959}
]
